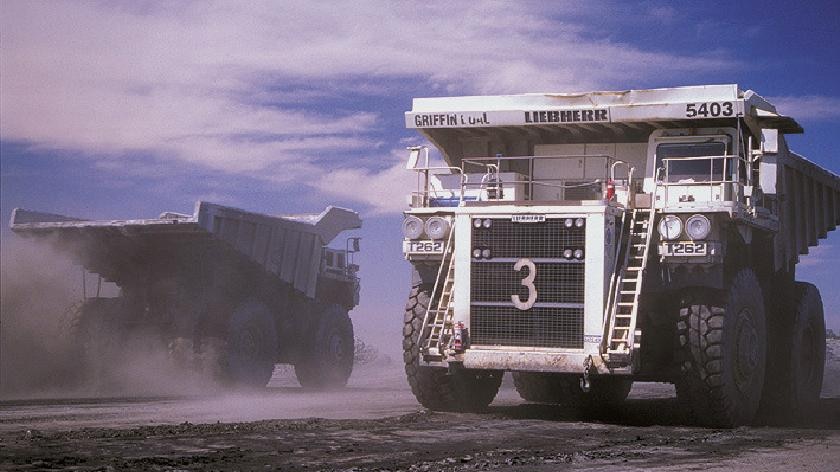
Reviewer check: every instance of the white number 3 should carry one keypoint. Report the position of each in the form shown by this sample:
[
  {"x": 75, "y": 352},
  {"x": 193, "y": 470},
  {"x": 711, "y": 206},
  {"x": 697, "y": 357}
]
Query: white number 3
[{"x": 528, "y": 281}]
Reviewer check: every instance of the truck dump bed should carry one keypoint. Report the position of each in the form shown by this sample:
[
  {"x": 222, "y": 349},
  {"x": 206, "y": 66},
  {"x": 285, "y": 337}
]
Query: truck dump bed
[
  {"x": 810, "y": 203},
  {"x": 289, "y": 247}
]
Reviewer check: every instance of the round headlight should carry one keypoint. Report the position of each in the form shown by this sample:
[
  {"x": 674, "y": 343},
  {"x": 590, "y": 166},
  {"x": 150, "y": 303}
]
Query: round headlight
[
  {"x": 579, "y": 222},
  {"x": 569, "y": 222},
  {"x": 477, "y": 223},
  {"x": 698, "y": 227},
  {"x": 476, "y": 253},
  {"x": 487, "y": 223},
  {"x": 670, "y": 227},
  {"x": 485, "y": 254},
  {"x": 412, "y": 227},
  {"x": 567, "y": 253},
  {"x": 437, "y": 227},
  {"x": 578, "y": 254}
]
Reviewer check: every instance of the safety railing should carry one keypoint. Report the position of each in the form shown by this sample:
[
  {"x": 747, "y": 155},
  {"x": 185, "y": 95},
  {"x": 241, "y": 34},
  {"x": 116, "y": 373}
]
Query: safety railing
[
  {"x": 719, "y": 181},
  {"x": 492, "y": 178}
]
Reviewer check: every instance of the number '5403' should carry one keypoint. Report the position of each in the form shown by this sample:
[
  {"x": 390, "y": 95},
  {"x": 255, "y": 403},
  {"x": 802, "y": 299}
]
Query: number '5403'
[{"x": 713, "y": 109}]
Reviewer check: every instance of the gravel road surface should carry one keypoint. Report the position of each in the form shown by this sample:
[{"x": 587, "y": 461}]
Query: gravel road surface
[{"x": 376, "y": 424}]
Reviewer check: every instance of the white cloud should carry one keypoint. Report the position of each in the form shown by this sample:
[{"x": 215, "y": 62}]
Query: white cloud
[
  {"x": 808, "y": 107},
  {"x": 202, "y": 82},
  {"x": 383, "y": 191}
]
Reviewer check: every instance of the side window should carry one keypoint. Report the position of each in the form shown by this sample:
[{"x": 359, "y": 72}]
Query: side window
[{"x": 691, "y": 162}]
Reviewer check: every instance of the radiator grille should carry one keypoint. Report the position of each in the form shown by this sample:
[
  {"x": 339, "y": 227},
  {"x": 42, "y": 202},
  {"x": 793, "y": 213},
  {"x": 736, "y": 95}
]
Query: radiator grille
[
  {"x": 505, "y": 238},
  {"x": 555, "y": 282},
  {"x": 494, "y": 321},
  {"x": 537, "y": 327}
]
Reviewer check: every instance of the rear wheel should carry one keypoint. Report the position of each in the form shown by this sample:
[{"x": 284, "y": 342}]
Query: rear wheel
[
  {"x": 722, "y": 353},
  {"x": 329, "y": 362},
  {"x": 807, "y": 354},
  {"x": 251, "y": 345},
  {"x": 438, "y": 388}
]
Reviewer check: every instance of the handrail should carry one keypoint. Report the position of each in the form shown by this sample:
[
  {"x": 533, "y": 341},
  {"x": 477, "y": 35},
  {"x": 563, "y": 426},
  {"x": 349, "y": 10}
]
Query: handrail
[
  {"x": 531, "y": 181},
  {"x": 447, "y": 261},
  {"x": 490, "y": 167}
]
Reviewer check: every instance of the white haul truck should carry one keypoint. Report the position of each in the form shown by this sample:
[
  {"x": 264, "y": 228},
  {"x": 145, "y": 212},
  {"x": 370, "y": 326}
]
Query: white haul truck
[{"x": 586, "y": 240}]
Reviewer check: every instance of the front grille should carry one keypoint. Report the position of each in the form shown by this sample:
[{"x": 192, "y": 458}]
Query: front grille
[
  {"x": 505, "y": 238},
  {"x": 556, "y": 319},
  {"x": 537, "y": 327},
  {"x": 555, "y": 283}
]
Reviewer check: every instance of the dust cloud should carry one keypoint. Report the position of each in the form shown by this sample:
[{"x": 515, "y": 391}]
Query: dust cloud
[{"x": 39, "y": 289}]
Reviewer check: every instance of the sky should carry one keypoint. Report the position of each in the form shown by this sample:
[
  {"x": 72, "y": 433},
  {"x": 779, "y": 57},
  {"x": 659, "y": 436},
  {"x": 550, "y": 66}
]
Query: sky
[{"x": 127, "y": 109}]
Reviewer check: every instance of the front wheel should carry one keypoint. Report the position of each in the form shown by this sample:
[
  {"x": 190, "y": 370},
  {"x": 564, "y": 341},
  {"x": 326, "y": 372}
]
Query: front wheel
[
  {"x": 329, "y": 361},
  {"x": 438, "y": 388},
  {"x": 722, "y": 353}
]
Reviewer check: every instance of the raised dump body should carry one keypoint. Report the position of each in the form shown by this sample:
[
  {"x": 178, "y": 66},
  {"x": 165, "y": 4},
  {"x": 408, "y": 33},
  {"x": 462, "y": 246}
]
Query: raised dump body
[
  {"x": 260, "y": 288},
  {"x": 584, "y": 240}
]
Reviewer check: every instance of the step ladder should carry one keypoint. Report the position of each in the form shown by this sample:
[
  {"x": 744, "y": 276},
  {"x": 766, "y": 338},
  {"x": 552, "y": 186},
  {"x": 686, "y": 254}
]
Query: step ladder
[
  {"x": 625, "y": 289},
  {"x": 438, "y": 319}
]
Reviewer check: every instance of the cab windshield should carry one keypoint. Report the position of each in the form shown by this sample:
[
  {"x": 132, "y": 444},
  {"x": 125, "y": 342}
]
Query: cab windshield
[{"x": 694, "y": 168}]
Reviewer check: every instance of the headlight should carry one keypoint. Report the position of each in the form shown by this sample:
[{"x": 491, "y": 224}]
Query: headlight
[
  {"x": 698, "y": 227},
  {"x": 412, "y": 227},
  {"x": 569, "y": 222},
  {"x": 579, "y": 222},
  {"x": 437, "y": 227},
  {"x": 476, "y": 253},
  {"x": 578, "y": 254},
  {"x": 670, "y": 227},
  {"x": 567, "y": 253}
]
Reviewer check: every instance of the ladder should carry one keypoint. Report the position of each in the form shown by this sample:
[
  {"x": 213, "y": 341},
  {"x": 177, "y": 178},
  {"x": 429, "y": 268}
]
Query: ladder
[
  {"x": 626, "y": 287},
  {"x": 438, "y": 318}
]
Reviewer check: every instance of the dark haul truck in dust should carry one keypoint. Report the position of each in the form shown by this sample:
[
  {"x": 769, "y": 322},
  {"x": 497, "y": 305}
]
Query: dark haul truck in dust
[
  {"x": 586, "y": 240},
  {"x": 236, "y": 290}
]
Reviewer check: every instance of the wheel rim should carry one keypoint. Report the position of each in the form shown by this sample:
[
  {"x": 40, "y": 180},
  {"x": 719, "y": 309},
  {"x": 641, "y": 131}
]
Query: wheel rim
[
  {"x": 249, "y": 345},
  {"x": 337, "y": 347},
  {"x": 746, "y": 351}
]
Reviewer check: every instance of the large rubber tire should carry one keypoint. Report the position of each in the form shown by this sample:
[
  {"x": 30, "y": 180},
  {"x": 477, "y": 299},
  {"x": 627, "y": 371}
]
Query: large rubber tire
[
  {"x": 329, "y": 363},
  {"x": 807, "y": 354},
  {"x": 438, "y": 388},
  {"x": 565, "y": 390},
  {"x": 722, "y": 353},
  {"x": 251, "y": 345},
  {"x": 97, "y": 335}
]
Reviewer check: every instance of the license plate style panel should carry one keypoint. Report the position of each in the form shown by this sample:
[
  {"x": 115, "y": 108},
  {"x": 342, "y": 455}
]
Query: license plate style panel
[
  {"x": 684, "y": 249},
  {"x": 423, "y": 247}
]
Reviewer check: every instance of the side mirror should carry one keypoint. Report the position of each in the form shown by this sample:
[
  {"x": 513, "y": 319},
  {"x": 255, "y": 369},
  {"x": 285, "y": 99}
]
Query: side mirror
[{"x": 414, "y": 157}]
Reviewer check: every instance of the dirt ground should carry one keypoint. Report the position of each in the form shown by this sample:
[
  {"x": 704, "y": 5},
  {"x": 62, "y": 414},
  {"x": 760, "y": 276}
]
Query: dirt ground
[{"x": 376, "y": 424}]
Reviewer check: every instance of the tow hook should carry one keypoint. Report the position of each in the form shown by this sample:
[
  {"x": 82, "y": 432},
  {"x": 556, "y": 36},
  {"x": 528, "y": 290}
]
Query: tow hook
[{"x": 587, "y": 366}]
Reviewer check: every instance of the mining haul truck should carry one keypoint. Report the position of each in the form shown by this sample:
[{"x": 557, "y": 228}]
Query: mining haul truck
[
  {"x": 583, "y": 241},
  {"x": 239, "y": 290}
]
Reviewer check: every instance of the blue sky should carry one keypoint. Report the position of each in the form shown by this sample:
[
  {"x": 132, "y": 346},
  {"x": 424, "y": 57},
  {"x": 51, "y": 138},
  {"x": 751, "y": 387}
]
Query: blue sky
[{"x": 127, "y": 109}]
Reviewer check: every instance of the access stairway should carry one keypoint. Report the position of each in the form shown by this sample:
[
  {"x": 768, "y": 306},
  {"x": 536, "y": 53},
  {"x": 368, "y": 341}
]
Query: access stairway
[
  {"x": 622, "y": 307},
  {"x": 438, "y": 319}
]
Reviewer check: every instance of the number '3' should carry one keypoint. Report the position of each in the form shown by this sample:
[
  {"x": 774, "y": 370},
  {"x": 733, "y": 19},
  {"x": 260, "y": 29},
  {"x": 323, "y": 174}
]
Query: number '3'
[{"x": 528, "y": 282}]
